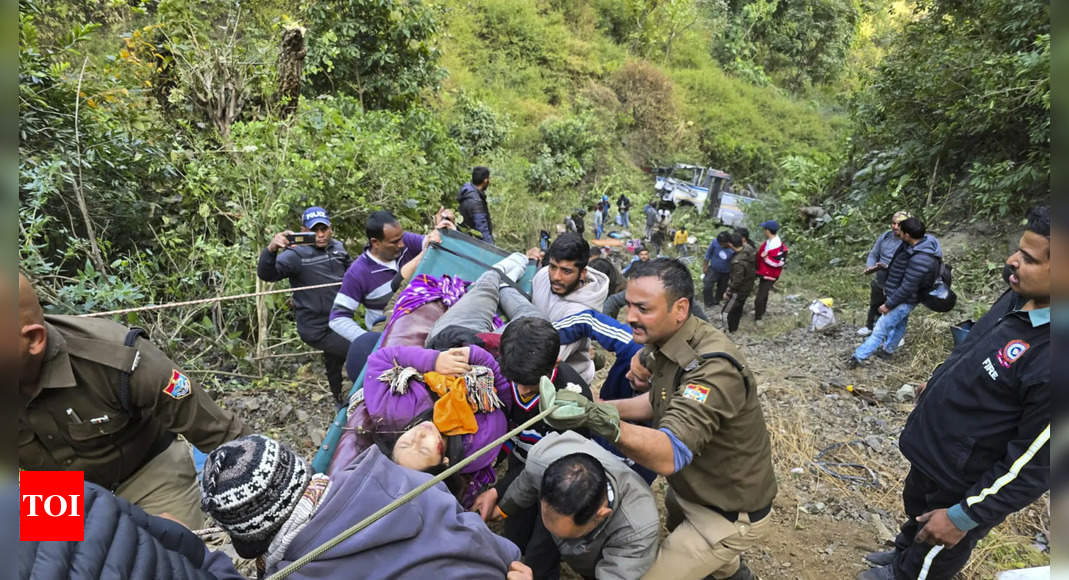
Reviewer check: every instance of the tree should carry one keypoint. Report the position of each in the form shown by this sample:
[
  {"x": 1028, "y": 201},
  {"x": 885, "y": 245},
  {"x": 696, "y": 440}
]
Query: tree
[
  {"x": 961, "y": 105},
  {"x": 799, "y": 42},
  {"x": 380, "y": 51}
]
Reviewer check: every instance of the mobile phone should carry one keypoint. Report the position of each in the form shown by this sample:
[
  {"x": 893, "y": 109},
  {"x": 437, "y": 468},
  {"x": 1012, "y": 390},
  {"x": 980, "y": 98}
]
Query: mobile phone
[{"x": 301, "y": 238}]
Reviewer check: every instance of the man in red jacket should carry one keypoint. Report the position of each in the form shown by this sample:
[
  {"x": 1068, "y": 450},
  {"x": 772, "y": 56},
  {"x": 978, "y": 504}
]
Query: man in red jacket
[{"x": 771, "y": 257}]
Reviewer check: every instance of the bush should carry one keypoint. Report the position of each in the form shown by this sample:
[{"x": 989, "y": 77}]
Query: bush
[
  {"x": 647, "y": 103},
  {"x": 958, "y": 113},
  {"x": 477, "y": 128},
  {"x": 568, "y": 148},
  {"x": 380, "y": 51}
]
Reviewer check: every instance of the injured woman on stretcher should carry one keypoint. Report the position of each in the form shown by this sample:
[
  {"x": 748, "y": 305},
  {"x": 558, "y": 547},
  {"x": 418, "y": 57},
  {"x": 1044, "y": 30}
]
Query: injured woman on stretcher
[
  {"x": 430, "y": 409},
  {"x": 427, "y": 408}
]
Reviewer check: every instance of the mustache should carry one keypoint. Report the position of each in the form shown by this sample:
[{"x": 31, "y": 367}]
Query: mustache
[{"x": 1007, "y": 271}]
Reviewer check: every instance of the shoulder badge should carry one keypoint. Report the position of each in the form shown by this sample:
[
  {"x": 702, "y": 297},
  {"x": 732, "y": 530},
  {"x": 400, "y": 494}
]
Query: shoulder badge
[
  {"x": 178, "y": 387},
  {"x": 1011, "y": 352},
  {"x": 696, "y": 392}
]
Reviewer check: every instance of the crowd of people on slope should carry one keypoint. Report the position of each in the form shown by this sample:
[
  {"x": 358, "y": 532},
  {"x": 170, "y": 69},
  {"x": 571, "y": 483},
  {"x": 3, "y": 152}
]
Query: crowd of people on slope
[{"x": 449, "y": 365}]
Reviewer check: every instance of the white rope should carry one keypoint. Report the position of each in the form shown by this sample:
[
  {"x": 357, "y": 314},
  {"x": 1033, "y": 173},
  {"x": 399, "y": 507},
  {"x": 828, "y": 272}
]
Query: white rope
[{"x": 207, "y": 300}]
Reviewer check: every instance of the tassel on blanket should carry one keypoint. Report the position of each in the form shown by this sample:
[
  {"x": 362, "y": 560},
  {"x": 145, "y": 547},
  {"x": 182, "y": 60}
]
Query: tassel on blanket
[
  {"x": 398, "y": 377},
  {"x": 481, "y": 392}
]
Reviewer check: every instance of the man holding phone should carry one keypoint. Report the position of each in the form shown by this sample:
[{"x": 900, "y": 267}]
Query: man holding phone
[{"x": 309, "y": 258}]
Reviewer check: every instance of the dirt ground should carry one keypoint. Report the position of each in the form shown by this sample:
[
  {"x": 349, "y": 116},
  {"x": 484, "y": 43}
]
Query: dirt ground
[{"x": 824, "y": 523}]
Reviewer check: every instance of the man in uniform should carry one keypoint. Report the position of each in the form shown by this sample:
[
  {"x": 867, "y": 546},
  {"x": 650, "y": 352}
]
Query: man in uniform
[
  {"x": 95, "y": 396},
  {"x": 740, "y": 280},
  {"x": 322, "y": 262},
  {"x": 708, "y": 437}
]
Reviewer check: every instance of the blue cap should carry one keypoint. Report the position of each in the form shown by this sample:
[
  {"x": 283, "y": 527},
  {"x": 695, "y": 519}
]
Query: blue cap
[
  {"x": 315, "y": 215},
  {"x": 771, "y": 225}
]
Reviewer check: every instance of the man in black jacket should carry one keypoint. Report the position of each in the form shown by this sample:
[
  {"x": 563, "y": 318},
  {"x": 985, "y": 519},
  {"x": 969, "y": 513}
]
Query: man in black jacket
[
  {"x": 978, "y": 441},
  {"x": 623, "y": 209},
  {"x": 472, "y": 200},
  {"x": 912, "y": 273},
  {"x": 322, "y": 262},
  {"x": 122, "y": 541}
]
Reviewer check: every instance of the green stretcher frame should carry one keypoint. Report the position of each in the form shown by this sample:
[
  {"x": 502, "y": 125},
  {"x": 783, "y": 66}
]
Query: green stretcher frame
[{"x": 459, "y": 255}]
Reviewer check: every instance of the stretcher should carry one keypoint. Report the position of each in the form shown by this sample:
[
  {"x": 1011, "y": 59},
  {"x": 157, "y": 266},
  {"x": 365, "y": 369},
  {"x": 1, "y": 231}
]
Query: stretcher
[{"x": 458, "y": 255}]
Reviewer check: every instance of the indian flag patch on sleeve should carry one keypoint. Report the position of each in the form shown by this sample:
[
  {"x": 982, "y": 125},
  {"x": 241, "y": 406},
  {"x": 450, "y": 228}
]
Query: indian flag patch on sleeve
[
  {"x": 179, "y": 386},
  {"x": 697, "y": 392}
]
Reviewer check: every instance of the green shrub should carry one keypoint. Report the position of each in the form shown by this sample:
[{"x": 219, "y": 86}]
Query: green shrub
[
  {"x": 381, "y": 51},
  {"x": 477, "y": 128}
]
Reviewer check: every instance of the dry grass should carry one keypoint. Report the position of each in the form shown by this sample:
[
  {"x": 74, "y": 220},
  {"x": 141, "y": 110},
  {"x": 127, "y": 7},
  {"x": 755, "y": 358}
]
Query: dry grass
[
  {"x": 798, "y": 432},
  {"x": 796, "y": 441}
]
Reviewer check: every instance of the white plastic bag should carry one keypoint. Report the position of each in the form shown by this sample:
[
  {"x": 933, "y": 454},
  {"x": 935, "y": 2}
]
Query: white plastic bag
[{"x": 823, "y": 315}]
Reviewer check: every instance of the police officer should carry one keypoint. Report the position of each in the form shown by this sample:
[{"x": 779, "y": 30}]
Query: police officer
[
  {"x": 95, "y": 396},
  {"x": 708, "y": 437},
  {"x": 321, "y": 262}
]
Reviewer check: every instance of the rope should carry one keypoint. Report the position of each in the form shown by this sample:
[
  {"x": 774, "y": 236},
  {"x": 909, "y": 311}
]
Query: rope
[
  {"x": 297, "y": 564},
  {"x": 207, "y": 300},
  {"x": 826, "y": 466},
  {"x": 208, "y": 531}
]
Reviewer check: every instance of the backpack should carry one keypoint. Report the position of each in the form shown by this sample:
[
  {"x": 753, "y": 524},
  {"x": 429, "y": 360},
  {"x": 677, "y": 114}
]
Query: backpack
[{"x": 940, "y": 297}]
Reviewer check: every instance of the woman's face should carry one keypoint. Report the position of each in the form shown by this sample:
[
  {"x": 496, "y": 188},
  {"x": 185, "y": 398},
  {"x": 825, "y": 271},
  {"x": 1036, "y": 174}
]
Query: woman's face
[{"x": 420, "y": 448}]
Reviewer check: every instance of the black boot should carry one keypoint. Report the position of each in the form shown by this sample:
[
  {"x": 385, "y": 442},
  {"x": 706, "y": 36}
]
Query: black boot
[{"x": 743, "y": 573}]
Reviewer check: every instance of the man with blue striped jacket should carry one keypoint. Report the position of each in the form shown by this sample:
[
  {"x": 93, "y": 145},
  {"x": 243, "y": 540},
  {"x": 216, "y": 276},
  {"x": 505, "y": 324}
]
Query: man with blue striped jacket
[{"x": 978, "y": 441}]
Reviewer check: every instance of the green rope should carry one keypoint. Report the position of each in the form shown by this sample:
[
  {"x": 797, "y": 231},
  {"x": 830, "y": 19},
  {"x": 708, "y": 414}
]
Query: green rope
[{"x": 297, "y": 564}]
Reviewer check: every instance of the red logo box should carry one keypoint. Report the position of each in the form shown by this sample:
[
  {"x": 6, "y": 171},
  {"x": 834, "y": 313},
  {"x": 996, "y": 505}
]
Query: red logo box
[{"x": 51, "y": 506}]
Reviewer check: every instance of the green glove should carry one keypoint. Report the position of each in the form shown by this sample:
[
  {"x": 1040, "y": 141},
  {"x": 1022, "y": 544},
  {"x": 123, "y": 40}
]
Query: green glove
[{"x": 573, "y": 411}]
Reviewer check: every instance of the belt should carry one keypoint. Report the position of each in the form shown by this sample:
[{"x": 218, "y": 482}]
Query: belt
[{"x": 755, "y": 516}]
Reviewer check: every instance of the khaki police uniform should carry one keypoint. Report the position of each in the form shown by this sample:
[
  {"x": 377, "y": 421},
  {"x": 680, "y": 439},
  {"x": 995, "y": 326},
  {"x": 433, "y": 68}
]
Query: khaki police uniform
[
  {"x": 719, "y": 504},
  {"x": 76, "y": 420}
]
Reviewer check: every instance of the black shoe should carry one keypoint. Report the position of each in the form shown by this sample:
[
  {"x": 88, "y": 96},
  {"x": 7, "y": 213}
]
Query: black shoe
[
  {"x": 877, "y": 559},
  {"x": 340, "y": 403},
  {"x": 743, "y": 573},
  {"x": 884, "y": 354},
  {"x": 881, "y": 573},
  {"x": 853, "y": 362}
]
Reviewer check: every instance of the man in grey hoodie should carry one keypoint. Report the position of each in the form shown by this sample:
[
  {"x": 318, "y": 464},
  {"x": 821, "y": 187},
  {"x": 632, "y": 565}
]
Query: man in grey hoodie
[
  {"x": 565, "y": 287},
  {"x": 911, "y": 273}
]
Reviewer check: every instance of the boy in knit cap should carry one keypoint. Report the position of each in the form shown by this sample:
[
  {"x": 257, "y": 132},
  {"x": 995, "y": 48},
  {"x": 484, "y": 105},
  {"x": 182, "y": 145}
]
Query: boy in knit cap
[{"x": 265, "y": 497}]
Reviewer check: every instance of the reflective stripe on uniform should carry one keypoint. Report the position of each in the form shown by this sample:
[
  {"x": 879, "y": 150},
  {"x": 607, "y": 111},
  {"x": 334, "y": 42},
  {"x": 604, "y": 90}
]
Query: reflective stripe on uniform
[
  {"x": 928, "y": 562},
  {"x": 1015, "y": 469}
]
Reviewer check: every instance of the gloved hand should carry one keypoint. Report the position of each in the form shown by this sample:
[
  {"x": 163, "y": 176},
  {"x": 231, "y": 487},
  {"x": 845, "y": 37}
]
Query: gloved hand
[{"x": 573, "y": 411}]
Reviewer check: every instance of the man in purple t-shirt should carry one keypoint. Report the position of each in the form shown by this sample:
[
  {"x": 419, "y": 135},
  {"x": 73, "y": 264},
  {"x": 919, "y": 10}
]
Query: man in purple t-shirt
[{"x": 373, "y": 277}]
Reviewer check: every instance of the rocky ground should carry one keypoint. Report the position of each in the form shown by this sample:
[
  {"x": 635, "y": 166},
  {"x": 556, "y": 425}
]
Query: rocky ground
[{"x": 826, "y": 516}]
